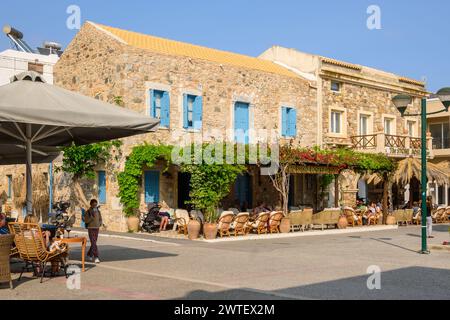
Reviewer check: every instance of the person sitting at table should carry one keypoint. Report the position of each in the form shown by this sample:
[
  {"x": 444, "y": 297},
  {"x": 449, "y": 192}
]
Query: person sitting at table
[
  {"x": 260, "y": 209},
  {"x": 31, "y": 219},
  {"x": 164, "y": 215},
  {"x": 3, "y": 225},
  {"x": 416, "y": 210},
  {"x": 371, "y": 212}
]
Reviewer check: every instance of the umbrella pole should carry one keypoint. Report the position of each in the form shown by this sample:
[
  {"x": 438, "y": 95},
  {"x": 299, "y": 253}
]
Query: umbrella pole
[{"x": 29, "y": 171}]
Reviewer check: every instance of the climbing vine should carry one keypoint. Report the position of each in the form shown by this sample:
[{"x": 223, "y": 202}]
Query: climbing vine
[
  {"x": 80, "y": 161},
  {"x": 130, "y": 179}
]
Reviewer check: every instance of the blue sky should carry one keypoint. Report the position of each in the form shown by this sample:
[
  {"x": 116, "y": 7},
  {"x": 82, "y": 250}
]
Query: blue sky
[{"x": 414, "y": 40}]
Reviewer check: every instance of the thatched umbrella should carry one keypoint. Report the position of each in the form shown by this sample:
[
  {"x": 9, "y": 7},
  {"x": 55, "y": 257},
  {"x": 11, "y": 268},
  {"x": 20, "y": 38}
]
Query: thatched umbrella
[{"x": 412, "y": 168}]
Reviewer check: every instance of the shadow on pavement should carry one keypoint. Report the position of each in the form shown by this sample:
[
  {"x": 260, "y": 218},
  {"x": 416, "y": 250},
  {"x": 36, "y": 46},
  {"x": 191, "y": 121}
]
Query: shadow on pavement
[
  {"x": 115, "y": 253},
  {"x": 408, "y": 283}
]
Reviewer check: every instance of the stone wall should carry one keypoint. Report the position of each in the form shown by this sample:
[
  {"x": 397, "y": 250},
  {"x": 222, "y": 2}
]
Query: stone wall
[{"x": 97, "y": 65}]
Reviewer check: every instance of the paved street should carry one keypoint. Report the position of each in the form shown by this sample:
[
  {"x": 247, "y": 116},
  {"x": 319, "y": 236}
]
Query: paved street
[{"x": 324, "y": 267}]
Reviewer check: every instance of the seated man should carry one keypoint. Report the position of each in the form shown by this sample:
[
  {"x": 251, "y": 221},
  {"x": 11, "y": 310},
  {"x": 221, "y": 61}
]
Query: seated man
[
  {"x": 371, "y": 212},
  {"x": 259, "y": 209},
  {"x": 3, "y": 225}
]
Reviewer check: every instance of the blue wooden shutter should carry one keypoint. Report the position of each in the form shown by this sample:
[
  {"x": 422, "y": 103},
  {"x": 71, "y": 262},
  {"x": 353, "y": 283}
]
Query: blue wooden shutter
[
  {"x": 165, "y": 110},
  {"x": 9, "y": 187},
  {"x": 241, "y": 122},
  {"x": 102, "y": 187},
  {"x": 198, "y": 112},
  {"x": 152, "y": 103},
  {"x": 284, "y": 122},
  {"x": 292, "y": 118},
  {"x": 185, "y": 112},
  {"x": 151, "y": 186}
]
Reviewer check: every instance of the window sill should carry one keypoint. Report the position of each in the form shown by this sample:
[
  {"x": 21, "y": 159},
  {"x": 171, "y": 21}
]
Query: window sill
[
  {"x": 192, "y": 130},
  {"x": 337, "y": 135}
]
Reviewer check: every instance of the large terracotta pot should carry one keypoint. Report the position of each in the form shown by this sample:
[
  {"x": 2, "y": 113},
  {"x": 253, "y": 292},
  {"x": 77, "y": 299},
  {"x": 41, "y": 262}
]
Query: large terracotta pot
[
  {"x": 133, "y": 224},
  {"x": 194, "y": 229},
  {"x": 343, "y": 222},
  {"x": 391, "y": 221},
  {"x": 285, "y": 225},
  {"x": 210, "y": 231}
]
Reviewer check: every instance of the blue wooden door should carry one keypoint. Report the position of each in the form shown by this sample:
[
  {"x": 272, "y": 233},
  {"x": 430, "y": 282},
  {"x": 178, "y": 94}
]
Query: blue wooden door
[
  {"x": 244, "y": 190},
  {"x": 241, "y": 122},
  {"x": 151, "y": 186}
]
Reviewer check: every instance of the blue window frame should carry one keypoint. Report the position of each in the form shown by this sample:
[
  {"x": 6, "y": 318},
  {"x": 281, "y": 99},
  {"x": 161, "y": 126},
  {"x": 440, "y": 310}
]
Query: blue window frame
[
  {"x": 192, "y": 112},
  {"x": 101, "y": 187},
  {"x": 288, "y": 122},
  {"x": 151, "y": 181},
  {"x": 9, "y": 186},
  {"x": 160, "y": 107}
]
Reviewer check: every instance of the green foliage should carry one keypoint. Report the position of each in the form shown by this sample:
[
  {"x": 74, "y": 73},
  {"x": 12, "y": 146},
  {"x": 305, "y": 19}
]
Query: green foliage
[
  {"x": 342, "y": 158},
  {"x": 80, "y": 161},
  {"x": 130, "y": 179},
  {"x": 210, "y": 183}
]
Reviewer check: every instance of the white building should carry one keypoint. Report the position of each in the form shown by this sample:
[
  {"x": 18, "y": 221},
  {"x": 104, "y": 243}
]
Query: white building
[{"x": 13, "y": 62}]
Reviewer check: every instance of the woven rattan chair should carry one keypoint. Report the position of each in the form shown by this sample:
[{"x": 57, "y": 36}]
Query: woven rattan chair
[
  {"x": 224, "y": 225},
  {"x": 182, "y": 219},
  {"x": 6, "y": 242},
  {"x": 275, "y": 221},
  {"x": 32, "y": 250},
  {"x": 260, "y": 225},
  {"x": 239, "y": 224}
]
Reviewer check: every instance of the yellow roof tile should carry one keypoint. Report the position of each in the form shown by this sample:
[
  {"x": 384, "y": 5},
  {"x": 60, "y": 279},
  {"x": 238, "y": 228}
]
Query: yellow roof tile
[{"x": 170, "y": 47}]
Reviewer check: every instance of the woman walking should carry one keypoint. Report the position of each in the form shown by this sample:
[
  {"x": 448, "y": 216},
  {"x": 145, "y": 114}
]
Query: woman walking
[{"x": 93, "y": 220}]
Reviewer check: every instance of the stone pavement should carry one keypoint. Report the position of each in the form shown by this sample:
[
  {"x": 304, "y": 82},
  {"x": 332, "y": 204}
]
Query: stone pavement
[{"x": 324, "y": 267}]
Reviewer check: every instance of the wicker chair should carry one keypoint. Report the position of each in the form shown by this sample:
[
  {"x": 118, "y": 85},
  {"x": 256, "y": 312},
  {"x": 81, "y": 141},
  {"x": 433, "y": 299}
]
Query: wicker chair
[
  {"x": 275, "y": 221},
  {"x": 182, "y": 219},
  {"x": 32, "y": 250},
  {"x": 260, "y": 225},
  {"x": 352, "y": 218},
  {"x": 442, "y": 217},
  {"x": 239, "y": 224},
  {"x": 224, "y": 224},
  {"x": 436, "y": 215},
  {"x": 6, "y": 242}
]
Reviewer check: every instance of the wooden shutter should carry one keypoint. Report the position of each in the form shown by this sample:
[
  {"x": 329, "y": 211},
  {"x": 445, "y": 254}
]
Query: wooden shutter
[
  {"x": 102, "y": 187},
  {"x": 185, "y": 112},
  {"x": 165, "y": 110},
  {"x": 198, "y": 112},
  {"x": 292, "y": 122},
  {"x": 284, "y": 122}
]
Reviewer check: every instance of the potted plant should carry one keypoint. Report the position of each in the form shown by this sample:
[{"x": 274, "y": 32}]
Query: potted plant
[
  {"x": 210, "y": 227},
  {"x": 133, "y": 221}
]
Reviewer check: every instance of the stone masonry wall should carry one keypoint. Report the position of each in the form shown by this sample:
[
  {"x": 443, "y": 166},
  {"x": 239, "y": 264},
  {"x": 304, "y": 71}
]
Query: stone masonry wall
[{"x": 96, "y": 65}]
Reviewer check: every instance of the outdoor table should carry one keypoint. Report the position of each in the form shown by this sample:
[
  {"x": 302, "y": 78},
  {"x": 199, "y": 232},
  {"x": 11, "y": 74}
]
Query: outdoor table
[{"x": 82, "y": 241}]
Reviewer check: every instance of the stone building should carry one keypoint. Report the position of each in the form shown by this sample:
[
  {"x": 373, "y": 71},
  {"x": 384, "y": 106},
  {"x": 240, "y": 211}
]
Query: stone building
[
  {"x": 205, "y": 93},
  {"x": 439, "y": 128},
  {"x": 355, "y": 109}
]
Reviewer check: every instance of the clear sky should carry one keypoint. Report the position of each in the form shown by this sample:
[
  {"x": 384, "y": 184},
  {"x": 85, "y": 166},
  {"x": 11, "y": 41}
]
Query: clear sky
[{"x": 414, "y": 40}]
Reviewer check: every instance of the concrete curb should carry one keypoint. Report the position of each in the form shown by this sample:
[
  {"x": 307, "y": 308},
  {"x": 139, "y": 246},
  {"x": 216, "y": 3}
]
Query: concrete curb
[{"x": 304, "y": 234}]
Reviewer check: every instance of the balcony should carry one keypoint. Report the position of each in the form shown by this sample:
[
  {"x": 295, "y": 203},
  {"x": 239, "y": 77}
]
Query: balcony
[
  {"x": 391, "y": 145},
  {"x": 441, "y": 147}
]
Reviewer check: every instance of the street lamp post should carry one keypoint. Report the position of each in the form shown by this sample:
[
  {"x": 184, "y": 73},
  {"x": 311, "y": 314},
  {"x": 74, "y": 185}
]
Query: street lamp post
[{"x": 402, "y": 102}]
